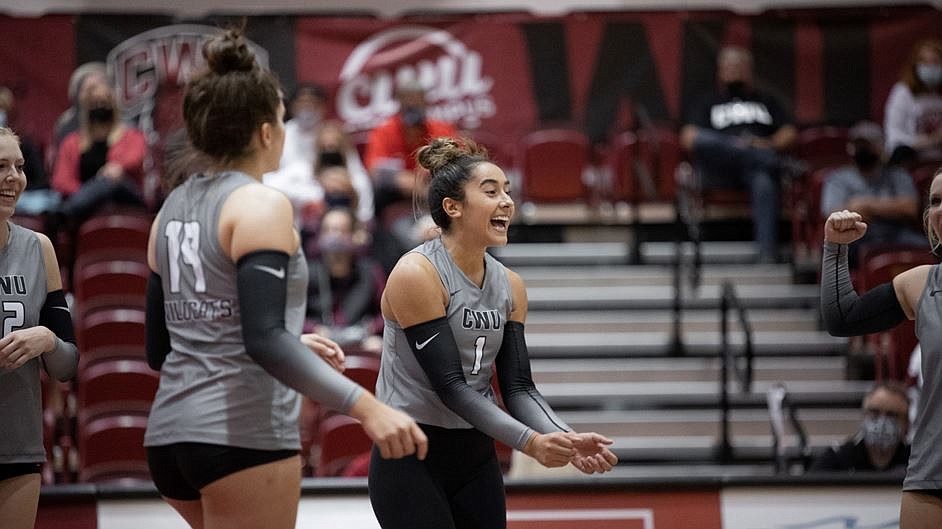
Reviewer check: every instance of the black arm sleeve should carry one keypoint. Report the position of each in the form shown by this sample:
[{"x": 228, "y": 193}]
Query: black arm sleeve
[
  {"x": 262, "y": 284},
  {"x": 521, "y": 397},
  {"x": 847, "y": 314},
  {"x": 157, "y": 336},
  {"x": 62, "y": 361},
  {"x": 441, "y": 361}
]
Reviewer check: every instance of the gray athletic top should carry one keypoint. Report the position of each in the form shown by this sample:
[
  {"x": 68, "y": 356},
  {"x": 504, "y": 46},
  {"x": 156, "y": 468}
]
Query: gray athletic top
[
  {"x": 476, "y": 316},
  {"x": 925, "y": 460},
  {"x": 22, "y": 295},
  {"x": 211, "y": 391}
]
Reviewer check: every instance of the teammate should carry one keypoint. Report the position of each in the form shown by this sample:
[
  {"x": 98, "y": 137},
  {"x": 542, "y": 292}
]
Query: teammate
[
  {"x": 452, "y": 315},
  {"x": 225, "y": 306},
  {"x": 37, "y": 334},
  {"x": 911, "y": 294}
]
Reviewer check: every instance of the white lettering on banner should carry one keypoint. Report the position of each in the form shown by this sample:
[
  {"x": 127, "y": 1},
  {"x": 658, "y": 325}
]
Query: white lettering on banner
[
  {"x": 456, "y": 89},
  {"x": 168, "y": 55}
]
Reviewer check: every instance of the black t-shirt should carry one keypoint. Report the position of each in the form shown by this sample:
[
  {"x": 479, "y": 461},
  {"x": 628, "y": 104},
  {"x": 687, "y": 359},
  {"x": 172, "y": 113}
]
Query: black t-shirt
[
  {"x": 92, "y": 160},
  {"x": 756, "y": 114},
  {"x": 852, "y": 456}
]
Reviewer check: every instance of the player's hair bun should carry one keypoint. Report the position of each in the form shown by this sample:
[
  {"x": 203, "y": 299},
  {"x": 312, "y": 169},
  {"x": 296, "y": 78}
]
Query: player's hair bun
[
  {"x": 443, "y": 151},
  {"x": 229, "y": 53}
]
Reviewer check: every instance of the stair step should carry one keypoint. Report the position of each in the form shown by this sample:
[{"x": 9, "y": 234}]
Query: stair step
[
  {"x": 663, "y": 320},
  {"x": 641, "y": 395},
  {"x": 613, "y": 253},
  {"x": 658, "y": 297},
  {"x": 681, "y": 369},
  {"x": 645, "y": 275},
  {"x": 706, "y": 343},
  {"x": 646, "y": 423}
]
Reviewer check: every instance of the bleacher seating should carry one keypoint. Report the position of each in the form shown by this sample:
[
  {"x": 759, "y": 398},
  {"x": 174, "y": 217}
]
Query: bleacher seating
[{"x": 553, "y": 163}]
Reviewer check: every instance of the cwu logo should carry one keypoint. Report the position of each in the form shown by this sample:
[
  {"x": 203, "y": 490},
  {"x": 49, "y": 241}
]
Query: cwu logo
[
  {"x": 153, "y": 66},
  {"x": 451, "y": 73}
]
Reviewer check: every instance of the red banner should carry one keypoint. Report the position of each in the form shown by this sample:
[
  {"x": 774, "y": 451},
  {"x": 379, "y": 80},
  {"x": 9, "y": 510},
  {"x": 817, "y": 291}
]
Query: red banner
[{"x": 614, "y": 510}]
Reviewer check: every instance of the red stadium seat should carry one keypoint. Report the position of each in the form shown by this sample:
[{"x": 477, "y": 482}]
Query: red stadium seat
[
  {"x": 362, "y": 369},
  {"x": 109, "y": 284},
  {"x": 822, "y": 147},
  {"x": 553, "y": 162},
  {"x": 660, "y": 152},
  {"x": 116, "y": 387},
  {"x": 342, "y": 440},
  {"x": 496, "y": 148},
  {"x": 109, "y": 334},
  {"x": 36, "y": 223},
  {"x": 114, "y": 236},
  {"x": 112, "y": 449},
  {"x": 625, "y": 166},
  {"x": 880, "y": 264}
]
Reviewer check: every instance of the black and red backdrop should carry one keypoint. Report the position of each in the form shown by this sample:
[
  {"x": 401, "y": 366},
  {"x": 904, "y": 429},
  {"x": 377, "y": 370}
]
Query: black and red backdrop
[{"x": 500, "y": 73}]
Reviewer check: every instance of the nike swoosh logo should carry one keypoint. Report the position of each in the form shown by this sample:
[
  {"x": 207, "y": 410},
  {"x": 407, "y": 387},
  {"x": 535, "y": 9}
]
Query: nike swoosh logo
[
  {"x": 450, "y": 294},
  {"x": 63, "y": 308},
  {"x": 277, "y": 272},
  {"x": 422, "y": 345},
  {"x": 934, "y": 292}
]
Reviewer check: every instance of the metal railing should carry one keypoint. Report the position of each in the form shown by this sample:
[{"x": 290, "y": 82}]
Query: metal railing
[
  {"x": 779, "y": 405},
  {"x": 728, "y": 361}
]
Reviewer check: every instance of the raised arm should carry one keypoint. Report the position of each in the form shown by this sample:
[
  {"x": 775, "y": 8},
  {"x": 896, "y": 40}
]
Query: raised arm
[{"x": 845, "y": 312}]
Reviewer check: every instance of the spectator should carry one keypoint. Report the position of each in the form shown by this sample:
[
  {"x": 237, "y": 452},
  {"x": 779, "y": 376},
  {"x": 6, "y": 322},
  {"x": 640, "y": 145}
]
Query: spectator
[
  {"x": 913, "y": 114},
  {"x": 300, "y": 179},
  {"x": 883, "y": 194},
  {"x": 101, "y": 162},
  {"x": 391, "y": 163},
  {"x": 880, "y": 444},
  {"x": 37, "y": 199},
  {"x": 83, "y": 79},
  {"x": 737, "y": 134},
  {"x": 344, "y": 289},
  {"x": 307, "y": 112}
]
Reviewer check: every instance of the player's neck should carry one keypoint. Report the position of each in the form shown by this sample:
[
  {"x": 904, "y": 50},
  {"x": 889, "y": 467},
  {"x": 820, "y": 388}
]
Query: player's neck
[{"x": 469, "y": 258}]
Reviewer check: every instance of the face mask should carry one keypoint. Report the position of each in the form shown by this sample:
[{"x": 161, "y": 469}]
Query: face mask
[
  {"x": 101, "y": 115},
  {"x": 736, "y": 88},
  {"x": 929, "y": 74},
  {"x": 338, "y": 200},
  {"x": 881, "y": 432},
  {"x": 307, "y": 119},
  {"x": 332, "y": 159},
  {"x": 413, "y": 116},
  {"x": 866, "y": 158},
  {"x": 3, "y": 118},
  {"x": 336, "y": 243}
]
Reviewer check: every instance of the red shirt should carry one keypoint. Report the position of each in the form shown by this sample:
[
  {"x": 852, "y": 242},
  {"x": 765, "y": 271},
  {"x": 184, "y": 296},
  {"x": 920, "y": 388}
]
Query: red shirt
[
  {"x": 388, "y": 141},
  {"x": 129, "y": 152}
]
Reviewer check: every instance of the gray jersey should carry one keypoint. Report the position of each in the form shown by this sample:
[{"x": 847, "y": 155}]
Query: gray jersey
[
  {"x": 925, "y": 461},
  {"x": 476, "y": 315},
  {"x": 22, "y": 295},
  {"x": 211, "y": 391}
]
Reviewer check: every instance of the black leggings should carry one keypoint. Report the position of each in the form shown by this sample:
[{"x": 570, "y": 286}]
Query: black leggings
[{"x": 458, "y": 486}]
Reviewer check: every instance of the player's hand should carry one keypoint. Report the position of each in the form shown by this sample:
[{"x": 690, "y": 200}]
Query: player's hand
[
  {"x": 592, "y": 453},
  {"x": 844, "y": 227},
  {"x": 394, "y": 433},
  {"x": 326, "y": 348},
  {"x": 551, "y": 449},
  {"x": 22, "y": 345}
]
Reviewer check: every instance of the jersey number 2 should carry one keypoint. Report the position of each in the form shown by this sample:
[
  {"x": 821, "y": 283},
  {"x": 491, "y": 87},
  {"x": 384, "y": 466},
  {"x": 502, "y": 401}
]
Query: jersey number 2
[{"x": 11, "y": 323}]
